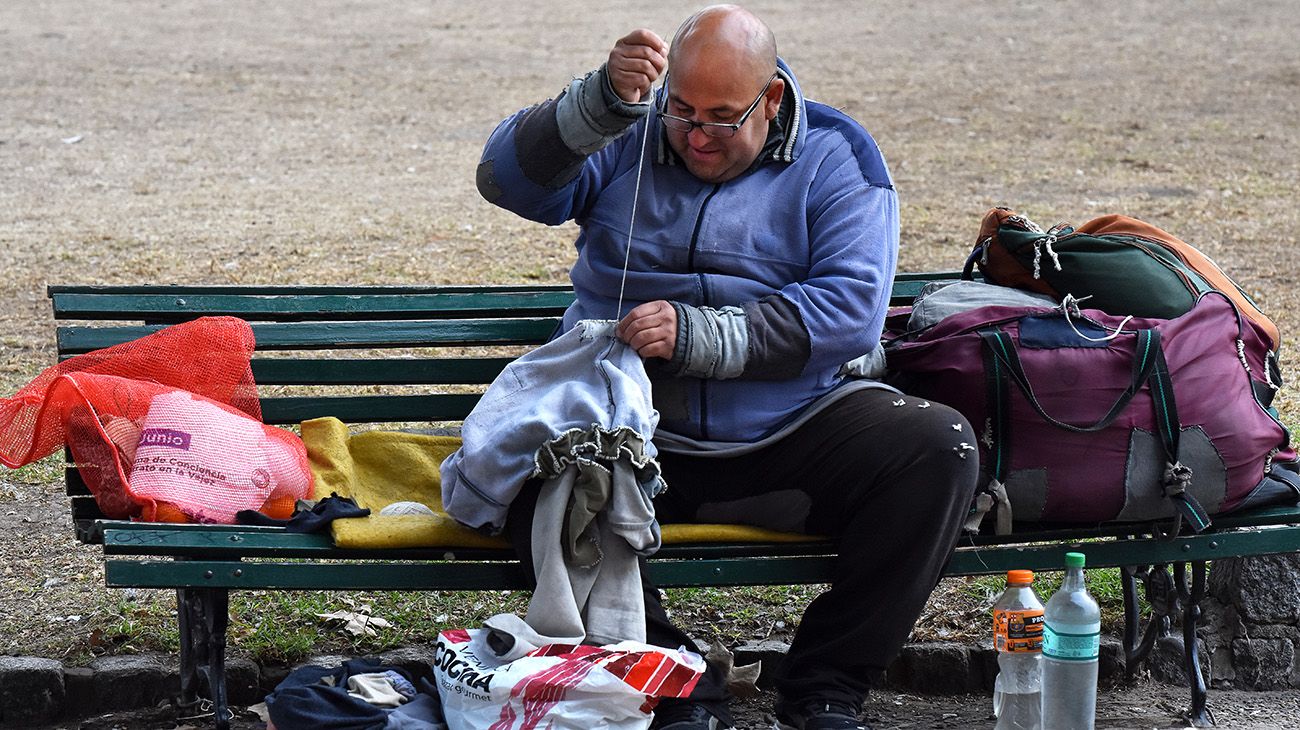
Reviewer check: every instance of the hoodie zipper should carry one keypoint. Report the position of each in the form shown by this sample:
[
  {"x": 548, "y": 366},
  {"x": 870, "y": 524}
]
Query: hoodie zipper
[
  {"x": 690, "y": 266},
  {"x": 699, "y": 221}
]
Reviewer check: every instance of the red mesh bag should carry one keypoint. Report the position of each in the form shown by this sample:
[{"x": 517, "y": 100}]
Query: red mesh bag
[{"x": 164, "y": 428}]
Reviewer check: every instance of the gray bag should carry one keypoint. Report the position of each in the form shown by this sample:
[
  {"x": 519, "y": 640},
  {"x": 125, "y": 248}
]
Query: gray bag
[{"x": 939, "y": 299}]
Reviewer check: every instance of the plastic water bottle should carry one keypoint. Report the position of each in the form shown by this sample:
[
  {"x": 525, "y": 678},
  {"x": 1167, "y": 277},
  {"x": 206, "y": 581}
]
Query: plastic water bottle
[
  {"x": 1017, "y": 637},
  {"x": 1071, "y": 645}
]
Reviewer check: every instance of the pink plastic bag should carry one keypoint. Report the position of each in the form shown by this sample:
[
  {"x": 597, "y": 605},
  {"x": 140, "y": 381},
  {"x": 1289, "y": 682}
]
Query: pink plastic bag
[
  {"x": 211, "y": 461},
  {"x": 163, "y": 428}
]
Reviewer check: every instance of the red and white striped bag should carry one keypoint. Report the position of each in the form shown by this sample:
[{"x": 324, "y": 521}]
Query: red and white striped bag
[{"x": 558, "y": 686}]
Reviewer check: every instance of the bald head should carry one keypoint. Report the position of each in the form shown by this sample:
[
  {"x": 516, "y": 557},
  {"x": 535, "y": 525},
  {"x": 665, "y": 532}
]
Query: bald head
[
  {"x": 726, "y": 36},
  {"x": 722, "y": 72}
]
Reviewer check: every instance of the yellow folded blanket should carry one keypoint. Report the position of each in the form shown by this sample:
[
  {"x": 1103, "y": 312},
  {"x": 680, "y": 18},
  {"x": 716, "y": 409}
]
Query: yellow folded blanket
[
  {"x": 684, "y": 533},
  {"x": 378, "y": 468}
]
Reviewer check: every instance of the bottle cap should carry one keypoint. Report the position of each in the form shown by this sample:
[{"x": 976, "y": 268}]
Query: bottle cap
[
  {"x": 1074, "y": 560},
  {"x": 1020, "y": 577}
]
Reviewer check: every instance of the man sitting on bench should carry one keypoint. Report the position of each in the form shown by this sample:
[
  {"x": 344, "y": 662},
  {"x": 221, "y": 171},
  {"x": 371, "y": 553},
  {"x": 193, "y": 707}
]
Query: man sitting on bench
[{"x": 764, "y": 237}]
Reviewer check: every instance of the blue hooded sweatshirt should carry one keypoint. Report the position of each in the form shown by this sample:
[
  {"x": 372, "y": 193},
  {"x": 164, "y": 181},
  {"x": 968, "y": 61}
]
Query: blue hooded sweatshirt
[{"x": 804, "y": 243}]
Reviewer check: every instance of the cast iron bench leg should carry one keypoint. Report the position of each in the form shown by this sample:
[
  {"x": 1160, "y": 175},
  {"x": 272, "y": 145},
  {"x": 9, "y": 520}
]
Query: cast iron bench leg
[
  {"x": 1162, "y": 599},
  {"x": 216, "y": 604},
  {"x": 1128, "y": 582},
  {"x": 203, "y": 615},
  {"x": 1198, "y": 715},
  {"x": 189, "y": 622}
]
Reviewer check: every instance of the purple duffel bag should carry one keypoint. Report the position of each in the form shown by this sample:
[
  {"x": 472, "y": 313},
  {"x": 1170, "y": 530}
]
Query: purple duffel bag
[{"x": 1086, "y": 417}]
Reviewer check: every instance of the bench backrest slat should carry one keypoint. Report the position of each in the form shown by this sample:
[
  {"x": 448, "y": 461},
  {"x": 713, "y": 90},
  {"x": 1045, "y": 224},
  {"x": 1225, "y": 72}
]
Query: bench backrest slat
[
  {"x": 342, "y": 335},
  {"x": 908, "y": 285},
  {"x": 180, "y": 306},
  {"x": 398, "y": 371},
  {"x": 56, "y": 292},
  {"x": 370, "y": 408}
]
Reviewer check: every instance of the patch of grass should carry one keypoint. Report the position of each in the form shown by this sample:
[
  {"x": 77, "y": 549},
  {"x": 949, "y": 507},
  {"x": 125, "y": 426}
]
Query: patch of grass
[
  {"x": 44, "y": 471},
  {"x": 738, "y": 614},
  {"x": 283, "y": 627},
  {"x": 130, "y": 626}
]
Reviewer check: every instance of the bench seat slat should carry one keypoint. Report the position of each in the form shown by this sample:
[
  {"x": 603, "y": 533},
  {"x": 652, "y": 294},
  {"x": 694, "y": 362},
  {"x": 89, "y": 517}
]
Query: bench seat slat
[
  {"x": 241, "y": 542},
  {"x": 732, "y": 570},
  {"x": 981, "y": 554},
  {"x": 84, "y": 508},
  {"x": 1262, "y": 516},
  {"x": 342, "y": 335},
  {"x": 414, "y": 576},
  {"x": 1118, "y": 553},
  {"x": 771, "y": 569},
  {"x": 244, "y": 542},
  {"x": 235, "y": 541},
  {"x": 181, "y": 306},
  {"x": 314, "y": 575}
]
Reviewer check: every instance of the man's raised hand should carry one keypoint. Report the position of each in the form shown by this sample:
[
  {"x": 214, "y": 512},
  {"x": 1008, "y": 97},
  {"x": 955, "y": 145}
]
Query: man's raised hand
[{"x": 636, "y": 61}]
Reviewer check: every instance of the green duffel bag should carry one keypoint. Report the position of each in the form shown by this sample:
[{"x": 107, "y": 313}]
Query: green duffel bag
[{"x": 1119, "y": 264}]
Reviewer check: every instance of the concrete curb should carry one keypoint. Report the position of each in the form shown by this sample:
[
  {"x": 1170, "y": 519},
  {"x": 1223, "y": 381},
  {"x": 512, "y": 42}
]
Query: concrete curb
[{"x": 34, "y": 689}]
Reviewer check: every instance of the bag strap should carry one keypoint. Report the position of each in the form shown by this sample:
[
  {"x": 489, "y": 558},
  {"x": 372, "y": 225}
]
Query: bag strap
[
  {"x": 977, "y": 253},
  {"x": 1144, "y": 363},
  {"x": 999, "y": 427},
  {"x": 999, "y": 445},
  {"x": 1149, "y": 367},
  {"x": 1177, "y": 476}
]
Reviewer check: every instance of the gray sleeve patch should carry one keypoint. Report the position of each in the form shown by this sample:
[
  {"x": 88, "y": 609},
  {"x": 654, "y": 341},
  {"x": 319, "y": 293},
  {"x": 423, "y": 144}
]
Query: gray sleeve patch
[
  {"x": 543, "y": 157},
  {"x": 711, "y": 343},
  {"x": 487, "y": 183},
  {"x": 779, "y": 344},
  {"x": 590, "y": 116}
]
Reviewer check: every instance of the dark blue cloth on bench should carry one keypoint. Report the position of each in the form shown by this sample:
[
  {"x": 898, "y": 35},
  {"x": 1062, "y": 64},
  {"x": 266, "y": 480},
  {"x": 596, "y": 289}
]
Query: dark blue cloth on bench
[
  {"x": 318, "y": 519},
  {"x": 305, "y": 701}
]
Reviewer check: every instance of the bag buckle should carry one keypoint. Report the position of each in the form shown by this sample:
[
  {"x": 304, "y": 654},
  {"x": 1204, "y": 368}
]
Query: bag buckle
[{"x": 1177, "y": 479}]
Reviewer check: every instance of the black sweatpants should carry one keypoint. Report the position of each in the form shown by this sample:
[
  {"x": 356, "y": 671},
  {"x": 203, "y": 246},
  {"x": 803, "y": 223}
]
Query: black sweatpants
[{"x": 890, "y": 476}]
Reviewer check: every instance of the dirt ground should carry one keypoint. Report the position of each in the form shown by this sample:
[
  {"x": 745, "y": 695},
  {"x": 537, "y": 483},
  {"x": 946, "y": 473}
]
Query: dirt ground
[{"x": 184, "y": 141}]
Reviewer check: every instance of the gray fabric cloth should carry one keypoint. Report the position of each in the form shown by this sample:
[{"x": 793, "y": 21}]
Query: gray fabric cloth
[
  {"x": 509, "y": 637},
  {"x": 940, "y": 299},
  {"x": 711, "y": 343},
  {"x": 587, "y": 378},
  {"x": 590, "y": 115},
  {"x": 870, "y": 365},
  {"x": 376, "y": 688},
  {"x": 585, "y": 560}
]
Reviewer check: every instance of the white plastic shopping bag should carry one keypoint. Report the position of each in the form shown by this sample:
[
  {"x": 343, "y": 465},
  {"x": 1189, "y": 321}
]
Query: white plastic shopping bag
[{"x": 558, "y": 686}]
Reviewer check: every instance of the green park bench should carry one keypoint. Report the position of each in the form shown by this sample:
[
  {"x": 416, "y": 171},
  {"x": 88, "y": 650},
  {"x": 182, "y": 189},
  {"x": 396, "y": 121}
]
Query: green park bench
[{"x": 448, "y": 342}]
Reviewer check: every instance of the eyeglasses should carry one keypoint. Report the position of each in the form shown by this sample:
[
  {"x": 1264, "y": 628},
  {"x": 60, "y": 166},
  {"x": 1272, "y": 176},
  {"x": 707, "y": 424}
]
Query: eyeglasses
[{"x": 720, "y": 130}]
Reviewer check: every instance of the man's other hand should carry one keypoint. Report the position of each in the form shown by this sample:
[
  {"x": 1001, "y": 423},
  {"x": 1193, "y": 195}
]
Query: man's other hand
[
  {"x": 650, "y": 329},
  {"x": 635, "y": 62}
]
